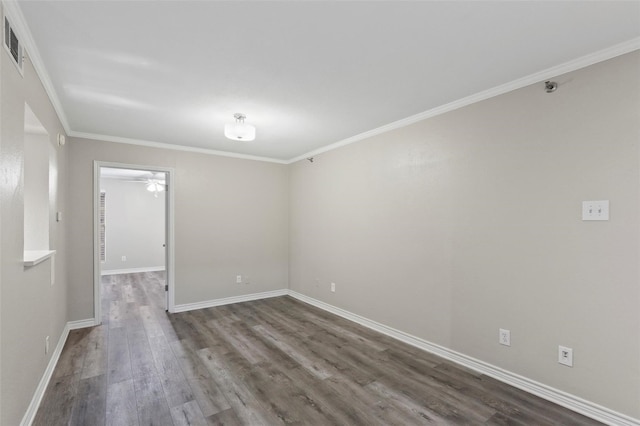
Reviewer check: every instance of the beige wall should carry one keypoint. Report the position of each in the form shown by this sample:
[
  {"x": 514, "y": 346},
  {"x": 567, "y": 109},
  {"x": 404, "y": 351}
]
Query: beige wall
[
  {"x": 458, "y": 225},
  {"x": 35, "y": 179},
  {"x": 231, "y": 218},
  {"x": 31, "y": 308}
]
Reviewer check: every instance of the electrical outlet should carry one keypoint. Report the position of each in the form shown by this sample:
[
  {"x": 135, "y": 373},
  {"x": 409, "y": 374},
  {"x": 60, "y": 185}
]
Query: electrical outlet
[
  {"x": 504, "y": 337},
  {"x": 333, "y": 287},
  {"x": 124, "y": 258},
  {"x": 46, "y": 345},
  {"x": 238, "y": 279},
  {"x": 565, "y": 356}
]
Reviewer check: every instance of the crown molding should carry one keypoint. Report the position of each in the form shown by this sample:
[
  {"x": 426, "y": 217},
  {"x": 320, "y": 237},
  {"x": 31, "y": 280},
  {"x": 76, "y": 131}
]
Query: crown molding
[
  {"x": 13, "y": 11},
  {"x": 573, "y": 65},
  {"x": 140, "y": 142}
]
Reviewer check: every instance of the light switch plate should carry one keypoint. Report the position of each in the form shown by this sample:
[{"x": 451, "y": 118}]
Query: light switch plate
[{"x": 595, "y": 210}]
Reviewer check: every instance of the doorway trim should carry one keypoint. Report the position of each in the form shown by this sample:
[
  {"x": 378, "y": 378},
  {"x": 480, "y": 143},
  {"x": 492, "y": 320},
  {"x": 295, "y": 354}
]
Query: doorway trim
[{"x": 169, "y": 230}]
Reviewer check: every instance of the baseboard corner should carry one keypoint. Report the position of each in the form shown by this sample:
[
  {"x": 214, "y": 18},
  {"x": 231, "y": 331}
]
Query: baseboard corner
[{"x": 74, "y": 325}]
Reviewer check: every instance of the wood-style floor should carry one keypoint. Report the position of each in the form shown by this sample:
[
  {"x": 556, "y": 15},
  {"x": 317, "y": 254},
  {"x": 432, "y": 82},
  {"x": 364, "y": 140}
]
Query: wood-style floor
[{"x": 269, "y": 362}]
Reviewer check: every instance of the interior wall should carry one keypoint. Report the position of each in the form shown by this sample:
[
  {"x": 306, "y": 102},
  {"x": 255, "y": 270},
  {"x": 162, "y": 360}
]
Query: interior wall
[
  {"x": 31, "y": 308},
  {"x": 446, "y": 229},
  {"x": 231, "y": 218},
  {"x": 468, "y": 222},
  {"x": 135, "y": 226},
  {"x": 36, "y": 191}
]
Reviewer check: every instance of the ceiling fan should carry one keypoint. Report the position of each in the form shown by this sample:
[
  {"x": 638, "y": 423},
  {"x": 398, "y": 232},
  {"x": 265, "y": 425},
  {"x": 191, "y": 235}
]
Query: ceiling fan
[{"x": 155, "y": 182}]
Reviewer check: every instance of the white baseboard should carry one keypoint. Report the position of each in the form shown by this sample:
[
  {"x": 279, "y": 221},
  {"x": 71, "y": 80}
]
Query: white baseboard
[
  {"x": 74, "y": 325},
  {"x": 572, "y": 402},
  {"x": 556, "y": 396},
  {"x": 30, "y": 414},
  {"x": 132, "y": 270},
  {"x": 228, "y": 300}
]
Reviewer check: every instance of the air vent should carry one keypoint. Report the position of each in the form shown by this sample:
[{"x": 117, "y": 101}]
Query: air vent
[{"x": 12, "y": 44}]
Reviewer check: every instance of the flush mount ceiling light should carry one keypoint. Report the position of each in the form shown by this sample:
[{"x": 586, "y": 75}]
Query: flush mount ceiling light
[{"x": 240, "y": 131}]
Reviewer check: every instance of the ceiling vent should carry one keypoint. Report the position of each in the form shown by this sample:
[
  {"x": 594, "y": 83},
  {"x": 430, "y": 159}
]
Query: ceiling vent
[{"x": 12, "y": 44}]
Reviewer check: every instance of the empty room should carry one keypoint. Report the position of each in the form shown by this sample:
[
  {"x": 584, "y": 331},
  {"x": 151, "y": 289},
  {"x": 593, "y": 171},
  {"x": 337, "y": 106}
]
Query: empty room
[{"x": 319, "y": 213}]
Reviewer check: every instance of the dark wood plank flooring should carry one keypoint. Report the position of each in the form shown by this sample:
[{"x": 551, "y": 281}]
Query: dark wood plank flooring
[{"x": 268, "y": 362}]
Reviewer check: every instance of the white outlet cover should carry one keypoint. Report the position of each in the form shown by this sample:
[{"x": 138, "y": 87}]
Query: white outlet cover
[
  {"x": 504, "y": 337},
  {"x": 565, "y": 356},
  {"x": 333, "y": 287},
  {"x": 238, "y": 279},
  {"x": 595, "y": 210}
]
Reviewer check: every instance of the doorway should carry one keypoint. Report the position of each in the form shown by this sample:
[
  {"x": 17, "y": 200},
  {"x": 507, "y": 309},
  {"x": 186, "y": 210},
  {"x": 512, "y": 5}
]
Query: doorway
[{"x": 133, "y": 234}]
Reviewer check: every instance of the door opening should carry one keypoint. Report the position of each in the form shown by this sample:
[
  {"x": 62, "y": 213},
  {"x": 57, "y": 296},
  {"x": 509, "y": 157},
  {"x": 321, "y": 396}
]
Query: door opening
[{"x": 133, "y": 237}]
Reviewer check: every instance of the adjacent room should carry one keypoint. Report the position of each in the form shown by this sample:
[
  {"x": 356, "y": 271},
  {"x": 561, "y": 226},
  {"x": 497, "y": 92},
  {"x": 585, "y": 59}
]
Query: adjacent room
[
  {"x": 132, "y": 239},
  {"x": 322, "y": 213}
]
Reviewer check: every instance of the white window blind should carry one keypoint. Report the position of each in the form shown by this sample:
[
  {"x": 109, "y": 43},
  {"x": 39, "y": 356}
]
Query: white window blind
[{"x": 103, "y": 249}]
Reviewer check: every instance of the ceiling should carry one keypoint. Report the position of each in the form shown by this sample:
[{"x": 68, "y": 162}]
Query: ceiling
[{"x": 307, "y": 74}]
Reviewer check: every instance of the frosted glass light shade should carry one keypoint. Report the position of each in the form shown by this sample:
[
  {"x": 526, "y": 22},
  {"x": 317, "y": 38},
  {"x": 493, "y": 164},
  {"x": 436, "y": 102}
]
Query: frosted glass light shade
[
  {"x": 155, "y": 187},
  {"x": 240, "y": 131}
]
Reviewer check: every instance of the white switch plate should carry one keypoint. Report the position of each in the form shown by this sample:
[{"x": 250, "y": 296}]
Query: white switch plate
[
  {"x": 595, "y": 210},
  {"x": 565, "y": 356},
  {"x": 504, "y": 337},
  {"x": 238, "y": 279},
  {"x": 333, "y": 287},
  {"x": 124, "y": 258}
]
